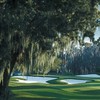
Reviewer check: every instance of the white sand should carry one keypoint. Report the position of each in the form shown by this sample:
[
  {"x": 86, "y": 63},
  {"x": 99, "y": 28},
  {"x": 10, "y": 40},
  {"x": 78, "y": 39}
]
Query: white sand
[
  {"x": 90, "y": 75},
  {"x": 74, "y": 81},
  {"x": 31, "y": 79}
]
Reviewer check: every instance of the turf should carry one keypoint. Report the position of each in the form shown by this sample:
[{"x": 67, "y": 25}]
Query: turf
[{"x": 56, "y": 90}]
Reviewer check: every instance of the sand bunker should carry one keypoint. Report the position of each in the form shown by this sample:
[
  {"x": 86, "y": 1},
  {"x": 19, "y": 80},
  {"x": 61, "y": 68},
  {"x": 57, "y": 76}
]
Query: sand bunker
[
  {"x": 31, "y": 79},
  {"x": 74, "y": 81},
  {"x": 90, "y": 75}
]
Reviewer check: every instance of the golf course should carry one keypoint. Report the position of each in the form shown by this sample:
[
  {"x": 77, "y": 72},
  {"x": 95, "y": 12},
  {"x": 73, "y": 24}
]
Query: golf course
[
  {"x": 49, "y": 49},
  {"x": 56, "y": 90}
]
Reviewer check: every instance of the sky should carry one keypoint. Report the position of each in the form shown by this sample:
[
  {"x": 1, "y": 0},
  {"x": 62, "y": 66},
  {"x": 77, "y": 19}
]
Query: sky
[
  {"x": 97, "y": 33},
  {"x": 99, "y": 7}
]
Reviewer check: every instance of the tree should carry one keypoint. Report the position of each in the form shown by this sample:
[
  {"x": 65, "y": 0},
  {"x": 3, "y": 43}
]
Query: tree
[{"x": 29, "y": 28}]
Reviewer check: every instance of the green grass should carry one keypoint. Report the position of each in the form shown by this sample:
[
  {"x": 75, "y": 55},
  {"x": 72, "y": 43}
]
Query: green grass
[{"x": 56, "y": 90}]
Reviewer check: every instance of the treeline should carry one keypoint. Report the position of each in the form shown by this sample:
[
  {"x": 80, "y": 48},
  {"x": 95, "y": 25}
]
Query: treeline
[{"x": 82, "y": 61}]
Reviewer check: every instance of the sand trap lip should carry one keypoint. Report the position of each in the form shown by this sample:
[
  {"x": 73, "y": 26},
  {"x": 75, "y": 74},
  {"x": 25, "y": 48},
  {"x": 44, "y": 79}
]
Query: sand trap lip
[
  {"x": 31, "y": 79},
  {"x": 90, "y": 75},
  {"x": 74, "y": 81}
]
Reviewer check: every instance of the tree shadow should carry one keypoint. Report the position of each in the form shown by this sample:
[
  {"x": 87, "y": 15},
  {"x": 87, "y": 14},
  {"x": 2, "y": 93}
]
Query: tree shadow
[{"x": 38, "y": 93}]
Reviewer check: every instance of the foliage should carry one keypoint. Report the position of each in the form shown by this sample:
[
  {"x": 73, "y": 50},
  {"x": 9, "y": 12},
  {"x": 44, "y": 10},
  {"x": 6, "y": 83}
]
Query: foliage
[
  {"x": 85, "y": 60},
  {"x": 38, "y": 22}
]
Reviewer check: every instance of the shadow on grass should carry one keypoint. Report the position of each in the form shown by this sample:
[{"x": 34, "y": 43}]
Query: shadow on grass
[
  {"x": 39, "y": 94},
  {"x": 46, "y": 92},
  {"x": 27, "y": 98},
  {"x": 90, "y": 92},
  {"x": 54, "y": 91}
]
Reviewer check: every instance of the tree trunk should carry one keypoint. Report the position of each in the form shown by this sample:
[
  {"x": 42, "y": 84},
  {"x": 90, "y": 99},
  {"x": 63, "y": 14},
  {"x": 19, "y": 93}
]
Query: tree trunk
[
  {"x": 4, "y": 89},
  {"x": 31, "y": 60}
]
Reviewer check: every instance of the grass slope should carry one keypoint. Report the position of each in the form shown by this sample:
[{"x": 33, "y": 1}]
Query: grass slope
[{"x": 56, "y": 90}]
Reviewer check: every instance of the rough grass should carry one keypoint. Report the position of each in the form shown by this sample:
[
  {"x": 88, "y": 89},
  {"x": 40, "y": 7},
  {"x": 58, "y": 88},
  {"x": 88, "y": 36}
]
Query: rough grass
[{"x": 56, "y": 90}]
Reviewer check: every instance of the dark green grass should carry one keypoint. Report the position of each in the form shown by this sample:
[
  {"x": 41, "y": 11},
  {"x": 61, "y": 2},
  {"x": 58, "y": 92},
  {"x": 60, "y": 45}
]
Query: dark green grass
[{"x": 56, "y": 90}]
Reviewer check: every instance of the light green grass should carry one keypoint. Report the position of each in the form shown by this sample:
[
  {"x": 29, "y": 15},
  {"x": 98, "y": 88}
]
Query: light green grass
[{"x": 56, "y": 90}]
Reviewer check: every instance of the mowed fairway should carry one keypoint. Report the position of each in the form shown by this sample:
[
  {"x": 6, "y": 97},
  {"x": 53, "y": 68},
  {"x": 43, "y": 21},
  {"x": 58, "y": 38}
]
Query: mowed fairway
[{"x": 56, "y": 90}]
